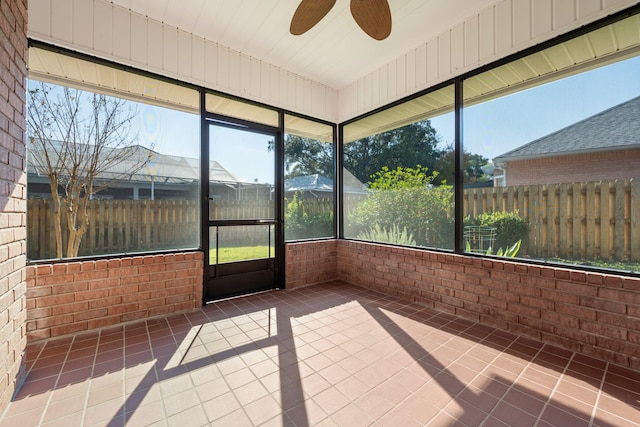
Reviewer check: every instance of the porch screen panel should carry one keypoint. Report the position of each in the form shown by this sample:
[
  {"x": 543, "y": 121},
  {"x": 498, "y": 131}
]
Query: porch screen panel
[
  {"x": 398, "y": 173},
  {"x": 126, "y": 178},
  {"x": 309, "y": 179},
  {"x": 561, "y": 128}
]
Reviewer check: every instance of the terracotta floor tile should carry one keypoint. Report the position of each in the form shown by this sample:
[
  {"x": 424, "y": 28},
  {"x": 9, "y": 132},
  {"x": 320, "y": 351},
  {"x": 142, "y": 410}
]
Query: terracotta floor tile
[
  {"x": 175, "y": 385},
  {"x": 251, "y": 358},
  {"x": 352, "y": 387},
  {"x": 64, "y": 420},
  {"x": 529, "y": 402},
  {"x": 512, "y": 416},
  {"x": 262, "y": 410},
  {"x": 229, "y": 365},
  {"x": 78, "y": 363},
  {"x": 146, "y": 414},
  {"x": 374, "y": 404},
  {"x": 464, "y": 412},
  {"x": 220, "y": 406},
  {"x": 77, "y": 376},
  {"x": 534, "y": 374},
  {"x": 236, "y": 418},
  {"x": 194, "y": 416},
  {"x": 392, "y": 391},
  {"x": 239, "y": 378},
  {"x": 478, "y": 398},
  {"x": 351, "y": 415},
  {"x": 314, "y": 384},
  {"x": 62, "y": 408},
  {"x": 70, "y": 391},
  {"x": 180, "y": 402},
  {"x": 397, "y": 417},
  {"x": 289, "y": 396},
  {"x": 419, "y": 408},
  {"x": 583, "y": 394},
  {"x": 557, "y": 417},
  {"x": 250, "y": 392},
  {"x": 24, "y": 418},
  {"x": 336, "y": 355},
  {"x": 334, "y": 373},
  {"x": 105, "y": 411},
  {"x": 628, "y": 408},
  {"x": 135, "y": 400},
  {"x": 318, "y": 362},
  {"x": 331, "y": 400},
  {"x": 306, "y": 413},
  {"x": 607, "y": 419}
]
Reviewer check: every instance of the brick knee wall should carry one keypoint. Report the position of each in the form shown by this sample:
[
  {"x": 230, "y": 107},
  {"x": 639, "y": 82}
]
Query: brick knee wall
[
  {"x": 310, "y": 262},
  {"x": 76, "y": 296},
  {"x": 13, "y": 71},
  {"x": 591, "y": 313}
]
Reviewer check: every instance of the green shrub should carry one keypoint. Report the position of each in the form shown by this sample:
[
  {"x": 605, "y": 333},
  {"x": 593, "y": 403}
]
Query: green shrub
[
  {"x": 393, "y": 235},
  {"x": 405, "y": 197},
  {"x": 299, "y": 224},
  {"x": 510, "y": 227},
  {"x": 509, "y": 252}
]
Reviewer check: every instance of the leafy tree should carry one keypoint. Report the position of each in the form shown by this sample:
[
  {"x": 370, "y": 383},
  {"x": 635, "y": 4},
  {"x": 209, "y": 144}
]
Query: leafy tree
[
  {"x": 406, "y": 147},
  {"x": 472, "y": 167},
  {"x": 306, "y": 156},
  {"x": 75, "y": 139}
]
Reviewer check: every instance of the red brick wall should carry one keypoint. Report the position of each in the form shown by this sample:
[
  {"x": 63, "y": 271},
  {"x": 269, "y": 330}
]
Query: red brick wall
[
  {"x": 13, "y": 69},
  {"x": 310, "y": 262},
  {"x": 592, "y": 313},
  {"x": 604, "y": 166},
  {"x": 81, "y": 295}
]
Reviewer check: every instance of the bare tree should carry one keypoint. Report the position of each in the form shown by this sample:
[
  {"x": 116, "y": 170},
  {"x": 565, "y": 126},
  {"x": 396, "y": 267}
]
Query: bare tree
[{"x": 83, "y": 142}]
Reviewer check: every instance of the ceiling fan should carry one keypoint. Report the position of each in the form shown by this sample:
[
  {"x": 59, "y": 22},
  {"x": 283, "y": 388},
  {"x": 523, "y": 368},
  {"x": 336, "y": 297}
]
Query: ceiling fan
[{"x": 373, "y": 16}]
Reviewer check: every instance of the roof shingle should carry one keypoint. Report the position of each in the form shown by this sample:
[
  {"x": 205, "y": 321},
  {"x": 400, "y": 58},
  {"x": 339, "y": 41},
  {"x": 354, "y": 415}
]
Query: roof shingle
[{"x": 615, "y": 128}]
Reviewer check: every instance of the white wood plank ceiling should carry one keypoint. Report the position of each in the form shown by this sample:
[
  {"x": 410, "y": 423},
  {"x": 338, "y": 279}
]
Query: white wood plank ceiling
[
  {"x": 336, "y": 52},
  {"x": 334, "y": 71}
]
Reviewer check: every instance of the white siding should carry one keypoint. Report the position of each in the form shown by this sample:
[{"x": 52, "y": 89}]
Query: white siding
[
  {"x": 503, "y": 29},
  {"x": 98, "y": 28}
]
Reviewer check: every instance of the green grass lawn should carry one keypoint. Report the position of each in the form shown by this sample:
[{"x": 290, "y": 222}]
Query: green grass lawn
[{"x": 240, "y": 253}]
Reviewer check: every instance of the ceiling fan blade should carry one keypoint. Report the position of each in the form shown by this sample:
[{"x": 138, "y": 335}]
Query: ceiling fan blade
[
  {"x": 373, "y": 16},
  {"x": 308, "y": 14}
]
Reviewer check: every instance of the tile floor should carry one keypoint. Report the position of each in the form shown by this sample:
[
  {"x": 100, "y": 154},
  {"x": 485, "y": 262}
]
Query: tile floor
[{"x": 330, "y": 354}]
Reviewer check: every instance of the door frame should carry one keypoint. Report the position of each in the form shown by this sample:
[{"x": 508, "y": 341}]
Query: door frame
[{"x": 209, "y": 119}]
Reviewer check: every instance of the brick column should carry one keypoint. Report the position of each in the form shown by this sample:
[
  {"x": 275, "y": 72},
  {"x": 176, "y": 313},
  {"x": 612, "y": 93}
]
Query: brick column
[{"x": 13, "y": 193}]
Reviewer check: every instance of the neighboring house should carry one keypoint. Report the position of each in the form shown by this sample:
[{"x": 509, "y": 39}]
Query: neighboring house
[
  {"x": 309, "y": 186},
  {"x": 317, "y": 186},
  {"x": 605, "y": 146},
  {"x": 162, "y": 177}
]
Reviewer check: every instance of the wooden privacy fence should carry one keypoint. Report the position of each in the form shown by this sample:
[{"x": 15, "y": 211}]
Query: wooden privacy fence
[
  {"x": 586, "y": 221},
  {"x": 593, "y": 220},
  {"x": 117, "y": 226}
]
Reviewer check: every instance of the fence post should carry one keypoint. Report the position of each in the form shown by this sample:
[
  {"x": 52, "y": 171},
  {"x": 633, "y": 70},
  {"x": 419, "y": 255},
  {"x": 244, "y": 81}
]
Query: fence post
[
  {"x": 591, "y": 220},
  {"x": 619, "y": 220},
  {"x": 551, "y": 212},
  {"x": 634, "y": 216}
]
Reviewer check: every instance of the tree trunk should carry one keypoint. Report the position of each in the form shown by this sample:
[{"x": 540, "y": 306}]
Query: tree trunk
[
  {"x": 57, "y": 215},
  {"x": 83, "y": 207},
  {"x": 72, "y": 232}
]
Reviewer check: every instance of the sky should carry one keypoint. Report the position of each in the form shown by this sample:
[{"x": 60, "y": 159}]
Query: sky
[
  {"x": 501, "y": 125},
  {"x": 243, "y": 153},
  {"x": 490, "y": 128}
]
